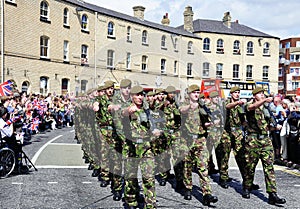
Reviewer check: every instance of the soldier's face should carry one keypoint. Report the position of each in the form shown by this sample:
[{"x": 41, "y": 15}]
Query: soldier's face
[
  {"x": 150, "y": 98},
  {"x": 101, "y": 93},
  {"x": 194, "y": 96},
  {"x": 126, "y": 91},
  {"x": 171, "y": 96},
  {"x": 160, "y": 96},
  {"x": 259, "y": 96},
  {"x": 110, "y": 91},
  {"x": 138, "y": 98},
  {"x": 235, "y": 95},
  {"x": 215, "y": 100}
]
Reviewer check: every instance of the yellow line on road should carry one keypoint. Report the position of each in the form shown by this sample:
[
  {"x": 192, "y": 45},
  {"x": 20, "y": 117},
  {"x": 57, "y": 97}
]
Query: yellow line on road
[{"x": 284, "y": 169}]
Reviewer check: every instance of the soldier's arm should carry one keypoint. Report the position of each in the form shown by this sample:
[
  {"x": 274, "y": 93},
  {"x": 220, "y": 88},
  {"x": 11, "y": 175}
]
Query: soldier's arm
[{"x": 257, "y": 104}]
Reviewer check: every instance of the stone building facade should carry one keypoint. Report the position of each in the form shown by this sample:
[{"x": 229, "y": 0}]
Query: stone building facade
[{"x": 70, "y": 46}]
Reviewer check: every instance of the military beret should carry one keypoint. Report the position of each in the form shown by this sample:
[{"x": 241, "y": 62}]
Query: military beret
[
  {"x": 192, "y": 88},
  {"x": 213, "y": 94},
  {"x": 109, "y": 84},
  {"x": 100, "y": 88},
  {"x": 90, "y": 91},
  {"x": 170, "y": 89},
  {"x": 151, "y": 93},
  {"x": 257, "y": 90},
  {"x": 159, "y": 90},
  {"x": 235, "y": 88},
  {"x": 136, "y": 90},
  {"x": 125, "y": 83}
]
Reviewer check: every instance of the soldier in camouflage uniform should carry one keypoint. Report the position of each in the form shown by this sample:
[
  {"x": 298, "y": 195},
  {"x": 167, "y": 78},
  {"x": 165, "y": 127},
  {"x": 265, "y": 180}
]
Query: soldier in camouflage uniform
[
  {"x": 178, "y": 147},
  {"x": 196, "y": 122},
  {"x": 139, "y": 151},
  {"x": 232, "y": 138},
  {"x": 258, "y": 146},
  {"x": 216, "y": 112}
]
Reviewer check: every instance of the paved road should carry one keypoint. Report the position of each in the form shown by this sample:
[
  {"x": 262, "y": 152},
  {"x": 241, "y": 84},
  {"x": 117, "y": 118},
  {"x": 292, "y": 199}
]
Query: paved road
[{"x": 63, "y": 181}]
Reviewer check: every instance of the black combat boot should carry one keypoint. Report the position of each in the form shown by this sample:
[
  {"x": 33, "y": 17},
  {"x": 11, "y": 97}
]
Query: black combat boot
[
  {"x": 117, "y": 196},
  {"x": 274, "y": 199},
  {"x": 188, "y": 194},
  {"x": 208, "y": 198},
  {"x": 246, "y": 194},
  {"x": 223, "y": 183},
  {"x": 162, "y": 182},
  {"x": 104, "y": 183},
  {"x": 96, "y": 172}
]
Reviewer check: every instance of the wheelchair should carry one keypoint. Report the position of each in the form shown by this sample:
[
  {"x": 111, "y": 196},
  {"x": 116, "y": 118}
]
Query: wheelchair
[{"x": 7, "y": 160}]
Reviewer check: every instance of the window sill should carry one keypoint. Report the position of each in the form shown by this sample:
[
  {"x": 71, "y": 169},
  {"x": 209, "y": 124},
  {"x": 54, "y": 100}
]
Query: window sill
[
  {"x": 249, "y": 79},
  {"x": 145, "y": 44},
  {"x": 85, "y": 64},
  {"x": 164, "y": 48},
  {"x": 165, "y": 74},
  {"x": 45, "y": 58},
  {"x": 144, "y": 71},
  {"x": 129, "y": 70},
  {"x": 236, "y": 79},
  {"x": 111, "y": 37},
  {"x": 66, "y": 62},
  {"x": 191, "y": 53},
  {"x": 250, "y": 54},
  {"x": 85, "y": 31},
  {"x": 67, "y": 26},
  {"x": 220, "y": 52},
  {"x": 236, "y": 53},
  {"x": 129, "y": 41},
  {"x": 190, "y": 76},
  {"x": 45, "y": 20},
  {"x": 206, "y": 51},
  {"x": 11, "y": 3},
  {"x": 266, "y": 55},
  {"x": 176, "y": 50}
]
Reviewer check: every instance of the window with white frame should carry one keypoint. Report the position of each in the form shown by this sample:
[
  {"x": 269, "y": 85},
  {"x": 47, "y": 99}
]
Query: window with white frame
[
  {"x": 144, "y": 63},
  {"x": 250, "y": 47},
  {"x": 236, "y": 47},
  {"x": 128, "y": 33},
  {"x": 249, "y": 72},
  {"x": 84, "y": 22},
  {"x": 163, "y": 41},
  {"x": 265, "y": 75},
  {"x": 189, "y": 69},
  {"x": 83, "y": 86},
  {"x": 297, "y": 43},
  {"x": 163, "y": 66},
  {"x": 175, "y": 67},
  {"x": 66, "y": 16},
  {"x": 220, "y": 46},
  {"x": 235, "y": 71},
  {"x": 219, "y": 70},
  {"x": 111, "y": 29},
  {"x": 44, "y": 11},
  {"x": 206, "y": 44},
  {"x": 205, "y": 71},
  {"x": 144, "y": 37},
  {"x": 266, "y": 49},
  {"x": 190, "y": 47},
  {"x": 66, "y": 50},
  {"x": 128, "y": 61},
  {"x": 110, "y": 59},
  {"x": 295, "y": 57},
  {"x": 44, "y": 47},
  {"x": 84, "y": 54}
]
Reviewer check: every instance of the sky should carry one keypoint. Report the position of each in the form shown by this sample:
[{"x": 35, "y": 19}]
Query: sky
[{"x": 275, "y": 17}]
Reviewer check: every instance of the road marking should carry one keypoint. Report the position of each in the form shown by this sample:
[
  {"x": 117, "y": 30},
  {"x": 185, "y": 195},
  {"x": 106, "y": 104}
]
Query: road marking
[
  {"x": 72, "y": 131},
  {"x": 52, "y": 182},
  {"x": 17, "y": 183},
  {"x": 35, "y": 157},
  {"x": 58, "y": 166},
  {"x": 86, "y": 182},
  {"x": 289, "y": 171},
  {"x": 297, "y": 185},
  {"x": 65, "y": 144}
]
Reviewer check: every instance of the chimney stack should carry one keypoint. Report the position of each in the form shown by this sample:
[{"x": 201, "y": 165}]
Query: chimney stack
[
  {"x": 165, "y": 20},
  {"x": 138, "y": 12},
  {"x": 188, "y": 19},
  {"x": 227, "y": 19}
]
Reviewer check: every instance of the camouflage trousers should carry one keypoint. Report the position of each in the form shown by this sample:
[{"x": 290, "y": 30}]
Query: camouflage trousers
[
  {"x": 259, "y": 147},
  {"x": 179, "y": 150},
  {"x": 111, "y": 160},
  {"x": 197, "y": 156},
  {"x": 235, "y": 141},
  {"x": 146, "y": 165},
  {"x": 212, "y": 141}
]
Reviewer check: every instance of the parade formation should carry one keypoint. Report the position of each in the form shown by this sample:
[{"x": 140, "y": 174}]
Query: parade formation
[{"x": 127, "y": 134}]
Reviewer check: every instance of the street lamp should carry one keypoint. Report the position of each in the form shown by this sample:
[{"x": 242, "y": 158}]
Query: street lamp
[{"x": 285, "y": 63}]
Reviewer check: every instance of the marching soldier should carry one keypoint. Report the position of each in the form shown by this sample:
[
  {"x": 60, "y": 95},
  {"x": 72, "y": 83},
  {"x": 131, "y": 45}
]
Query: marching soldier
[
  {"x": 258, "y": 146},
  {"x": 139, "y": 151},
  {"x": 196, "y": 122}
]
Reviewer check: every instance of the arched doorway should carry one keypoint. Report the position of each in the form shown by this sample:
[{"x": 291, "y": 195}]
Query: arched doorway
[{"x": 25, "y": 86}]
